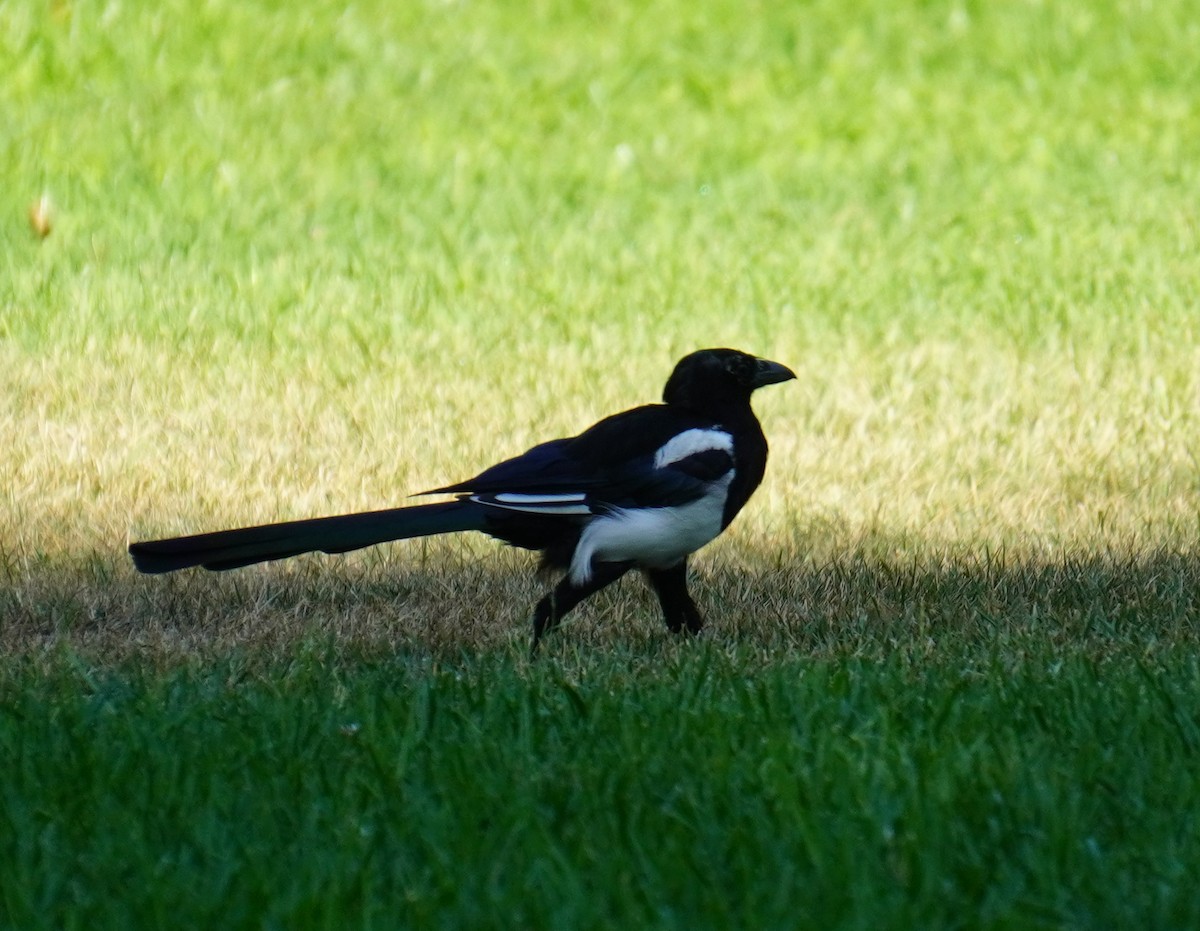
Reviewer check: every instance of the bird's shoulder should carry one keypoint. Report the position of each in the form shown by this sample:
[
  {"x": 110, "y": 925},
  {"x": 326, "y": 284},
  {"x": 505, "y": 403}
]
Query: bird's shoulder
[
  {"x": 641, "y": 433},
  {"x": 623, "y": 448}
]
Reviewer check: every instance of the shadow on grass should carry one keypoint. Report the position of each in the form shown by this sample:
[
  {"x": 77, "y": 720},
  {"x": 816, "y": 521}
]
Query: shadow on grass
[{"x": 452, "y": 599}]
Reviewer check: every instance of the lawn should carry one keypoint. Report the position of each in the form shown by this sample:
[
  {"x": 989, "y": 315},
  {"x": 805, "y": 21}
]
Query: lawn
[{"x": 261, "y": 261}]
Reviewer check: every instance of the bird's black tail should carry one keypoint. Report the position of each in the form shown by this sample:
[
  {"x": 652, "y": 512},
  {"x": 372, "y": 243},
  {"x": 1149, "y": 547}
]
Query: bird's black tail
[{"x": 232, "y": 549}]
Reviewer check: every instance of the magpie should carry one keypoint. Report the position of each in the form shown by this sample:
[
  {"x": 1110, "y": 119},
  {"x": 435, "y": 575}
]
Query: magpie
[{"x": 642, "y": 489}]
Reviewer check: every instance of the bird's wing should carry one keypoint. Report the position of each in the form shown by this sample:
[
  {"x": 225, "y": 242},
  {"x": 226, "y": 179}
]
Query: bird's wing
[
  {"x": 545, "y": 469},
  {"x": 643, "y": 458}
]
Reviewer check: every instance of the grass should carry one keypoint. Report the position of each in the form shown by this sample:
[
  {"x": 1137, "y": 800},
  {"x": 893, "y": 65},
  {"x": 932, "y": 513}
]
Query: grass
[
  {"x": 628, "y": 790},
  {"x": 260, "y": 262}
]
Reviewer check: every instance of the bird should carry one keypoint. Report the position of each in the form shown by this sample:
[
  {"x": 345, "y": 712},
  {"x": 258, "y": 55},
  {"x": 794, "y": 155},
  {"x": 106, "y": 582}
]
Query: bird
[{"x": 642, "y": 489}]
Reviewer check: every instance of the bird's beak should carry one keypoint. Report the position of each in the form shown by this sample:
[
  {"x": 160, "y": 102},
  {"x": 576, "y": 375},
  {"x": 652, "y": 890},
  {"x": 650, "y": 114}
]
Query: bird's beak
[{"x": 771, "y": 373}]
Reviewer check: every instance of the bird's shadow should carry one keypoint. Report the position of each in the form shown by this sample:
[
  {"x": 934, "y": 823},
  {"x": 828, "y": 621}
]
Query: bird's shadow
[{"x": 453, "y": 598}]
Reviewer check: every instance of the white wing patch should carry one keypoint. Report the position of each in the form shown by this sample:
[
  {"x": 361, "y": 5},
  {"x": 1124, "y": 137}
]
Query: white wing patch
[
  {"x": 691, "y": 442},
  {"x": 572, "y": 503},
  {"x": 511, "y": 497}
]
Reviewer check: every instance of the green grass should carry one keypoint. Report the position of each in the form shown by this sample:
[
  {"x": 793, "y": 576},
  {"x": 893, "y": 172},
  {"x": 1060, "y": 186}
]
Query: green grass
[
  {"x": 307, "y": 260},
  {"x": 694, "y": 788}
]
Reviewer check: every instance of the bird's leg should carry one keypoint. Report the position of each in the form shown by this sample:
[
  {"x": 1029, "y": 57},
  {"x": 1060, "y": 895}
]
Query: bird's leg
[
  {"x": 566, "y": 595},
  {"x": 679, "y": 611}
]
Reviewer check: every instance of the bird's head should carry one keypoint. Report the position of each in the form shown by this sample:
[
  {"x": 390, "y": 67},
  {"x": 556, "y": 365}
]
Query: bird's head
[{"x": 716, "y": 377}]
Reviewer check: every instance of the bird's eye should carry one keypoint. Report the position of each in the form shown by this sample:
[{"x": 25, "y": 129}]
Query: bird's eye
[{"x": 741, "y": 368}]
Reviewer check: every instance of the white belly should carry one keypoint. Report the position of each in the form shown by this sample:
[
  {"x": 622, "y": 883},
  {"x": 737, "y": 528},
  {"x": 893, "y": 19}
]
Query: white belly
[{"x": 654, "y": 538}]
